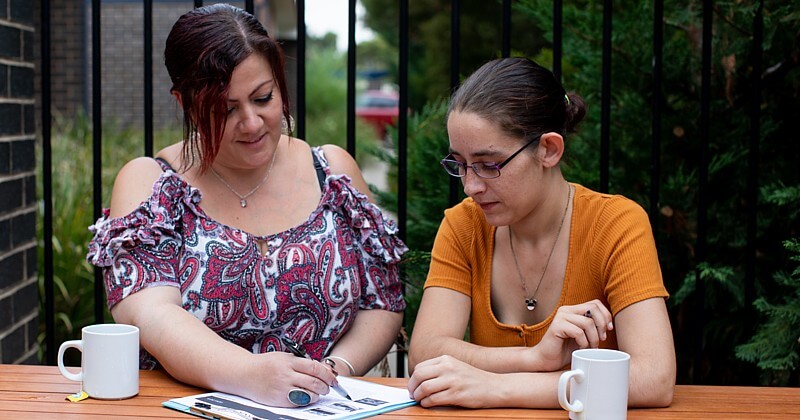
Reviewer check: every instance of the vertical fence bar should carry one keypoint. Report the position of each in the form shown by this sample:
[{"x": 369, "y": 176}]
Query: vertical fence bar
[
  {"x": 506, "y": 28},
  {"x": 753, "y": 157},
  {"x": 455, "y": 70},
  {"x": 557, "y": 39},
  {"x": 198, "y": 3},
  {"x": 148, "y": 77},
  {"x": 351, "y": 78},
  {"x": 702, "y": 206},
  {"x": 248, "y": 7},
  {"x": 97, "y": 144},
  {"x": 47, "y": 189},
  {"x": 605, "y": 100},
  {"x": 402, "y": 139},
  {"x": 657, "y": 98},
  {"x": 300, "y": 100}
]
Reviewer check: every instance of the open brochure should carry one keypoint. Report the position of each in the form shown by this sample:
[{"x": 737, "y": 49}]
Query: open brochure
[{"x": 368, "y": 399}]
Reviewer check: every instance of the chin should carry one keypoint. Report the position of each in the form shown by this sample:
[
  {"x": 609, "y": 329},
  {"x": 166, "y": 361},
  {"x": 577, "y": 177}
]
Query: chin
[{"x": 496, "y": 220}]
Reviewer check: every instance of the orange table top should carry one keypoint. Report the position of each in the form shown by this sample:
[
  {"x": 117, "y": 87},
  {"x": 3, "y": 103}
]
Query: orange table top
[{"x": 38, "y": 392}]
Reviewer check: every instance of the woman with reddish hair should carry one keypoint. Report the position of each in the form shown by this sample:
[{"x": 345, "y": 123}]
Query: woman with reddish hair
[{"x": 241, "y": 242}]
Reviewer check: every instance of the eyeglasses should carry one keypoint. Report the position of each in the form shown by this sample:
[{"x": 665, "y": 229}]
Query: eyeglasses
[{"x": 483, "y": 170}]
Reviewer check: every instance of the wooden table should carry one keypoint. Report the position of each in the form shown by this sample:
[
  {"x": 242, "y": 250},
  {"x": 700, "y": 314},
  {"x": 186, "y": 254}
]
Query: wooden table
[{"x": 38, "y": 392}]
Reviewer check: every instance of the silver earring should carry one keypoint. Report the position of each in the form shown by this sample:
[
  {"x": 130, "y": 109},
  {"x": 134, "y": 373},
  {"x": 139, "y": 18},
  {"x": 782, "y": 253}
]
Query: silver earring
[{"x": 287, "y": 126}]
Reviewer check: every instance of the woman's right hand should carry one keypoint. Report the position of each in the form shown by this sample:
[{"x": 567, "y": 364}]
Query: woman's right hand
[
  {"x": 574, "y": 327},
  {"x": 274, "y": 374}
]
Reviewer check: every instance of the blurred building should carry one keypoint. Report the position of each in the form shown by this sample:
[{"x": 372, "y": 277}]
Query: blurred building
[{"x": 122, "y": 55}]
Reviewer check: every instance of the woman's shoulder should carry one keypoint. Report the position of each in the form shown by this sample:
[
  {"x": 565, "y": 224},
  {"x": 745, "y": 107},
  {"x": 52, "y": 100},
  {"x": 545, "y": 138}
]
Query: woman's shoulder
[
  {"x": 606, "y": 201},
  {"x": 338, "y": 159},
  {"x": 133, "y": 185},
  {"x": 467, "y": 219},
  {"x": 602, "y": 209},
  {"x": 468, "y": 210},
  {"x": 144, "y": 178}
]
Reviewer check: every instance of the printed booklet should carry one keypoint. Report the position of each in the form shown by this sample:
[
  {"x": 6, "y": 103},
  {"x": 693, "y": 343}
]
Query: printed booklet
[{"x": 368, "y": 399}]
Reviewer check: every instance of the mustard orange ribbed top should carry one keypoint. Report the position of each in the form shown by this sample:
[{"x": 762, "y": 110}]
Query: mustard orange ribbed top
[{"x": 612, "y": 257}]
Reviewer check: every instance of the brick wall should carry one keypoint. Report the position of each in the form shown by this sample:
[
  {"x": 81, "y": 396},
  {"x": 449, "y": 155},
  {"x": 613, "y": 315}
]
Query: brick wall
[{"x": 18, "y": 288}]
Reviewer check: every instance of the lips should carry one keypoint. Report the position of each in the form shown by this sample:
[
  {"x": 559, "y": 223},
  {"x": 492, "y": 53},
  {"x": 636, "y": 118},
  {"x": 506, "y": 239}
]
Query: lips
[
  {"x": 487, "y": 205},
  {"x": 253, "y": 140}
]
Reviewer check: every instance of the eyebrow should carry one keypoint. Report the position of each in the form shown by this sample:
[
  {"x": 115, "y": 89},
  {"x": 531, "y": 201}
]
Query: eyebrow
[
  {"x": 479, "y": 153},
  {"x": 257, "y": 88}
]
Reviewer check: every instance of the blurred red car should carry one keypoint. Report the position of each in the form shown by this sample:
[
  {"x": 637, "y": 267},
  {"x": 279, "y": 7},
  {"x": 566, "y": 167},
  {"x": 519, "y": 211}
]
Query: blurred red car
[{"x": 378, "y": 108}]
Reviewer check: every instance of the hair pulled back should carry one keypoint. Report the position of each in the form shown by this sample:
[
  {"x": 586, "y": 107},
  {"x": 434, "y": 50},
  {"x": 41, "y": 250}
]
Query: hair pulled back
[
  {"x": 522, "y": 97},
  {"x": 203, "y": 48}
]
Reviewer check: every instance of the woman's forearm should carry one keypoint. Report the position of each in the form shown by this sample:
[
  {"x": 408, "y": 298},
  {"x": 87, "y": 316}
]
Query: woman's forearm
[
  {"x": 184, "y": 346},
  {"x": 368, "y": 340},
  {"x": 490, "y": 359}
]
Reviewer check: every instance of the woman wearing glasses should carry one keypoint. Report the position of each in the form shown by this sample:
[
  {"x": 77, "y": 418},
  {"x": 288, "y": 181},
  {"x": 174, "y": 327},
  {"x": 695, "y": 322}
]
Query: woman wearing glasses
[{"x": 531, "y": 266}]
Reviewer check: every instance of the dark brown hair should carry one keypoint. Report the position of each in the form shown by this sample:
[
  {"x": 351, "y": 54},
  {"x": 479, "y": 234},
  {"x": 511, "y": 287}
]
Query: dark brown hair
[
  {"x": 203, "y": 48},
  {"x": 522, "y": 97}
]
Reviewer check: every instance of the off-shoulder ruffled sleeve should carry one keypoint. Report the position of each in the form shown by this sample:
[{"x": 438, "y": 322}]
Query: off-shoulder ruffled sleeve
[
  {"x": 141, "y": 249},
  {"x": 381, "y": 248}
]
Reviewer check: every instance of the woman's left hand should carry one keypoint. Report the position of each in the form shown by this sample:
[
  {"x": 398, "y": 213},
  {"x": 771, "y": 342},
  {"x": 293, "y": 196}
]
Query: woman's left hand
[{"x": 445, "y": 380}]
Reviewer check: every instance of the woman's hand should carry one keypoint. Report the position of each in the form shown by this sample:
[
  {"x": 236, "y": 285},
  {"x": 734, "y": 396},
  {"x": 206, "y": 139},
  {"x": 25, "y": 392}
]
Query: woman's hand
[
  {"x": 445, "y": 380},
  {"x": 277, "y": 373},
  {"x": 574, "y": 327}
]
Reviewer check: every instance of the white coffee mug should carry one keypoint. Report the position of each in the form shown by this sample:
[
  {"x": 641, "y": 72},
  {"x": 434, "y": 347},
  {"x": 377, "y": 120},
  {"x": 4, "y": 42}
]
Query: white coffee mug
[
  {"x": 598, "y": 385},
  {"x": 109, "y": 361}
]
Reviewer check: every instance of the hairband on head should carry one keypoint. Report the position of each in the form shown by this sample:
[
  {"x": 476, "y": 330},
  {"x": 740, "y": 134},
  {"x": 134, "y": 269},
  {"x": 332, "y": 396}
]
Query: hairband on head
[{"x": 566, "y": 99}]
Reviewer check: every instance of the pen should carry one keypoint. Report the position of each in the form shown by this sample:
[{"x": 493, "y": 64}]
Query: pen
[{"x": 298, "y": 351}]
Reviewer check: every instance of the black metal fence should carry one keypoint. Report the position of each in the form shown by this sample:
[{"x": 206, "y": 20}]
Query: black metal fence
[{"x": 403, "y": 9}]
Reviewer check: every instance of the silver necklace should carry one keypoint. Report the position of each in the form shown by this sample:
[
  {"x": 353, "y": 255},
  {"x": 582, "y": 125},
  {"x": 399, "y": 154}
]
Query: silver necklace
[
  {"x": 530, "y": 302},
  {"x": 243, "y": 197}
]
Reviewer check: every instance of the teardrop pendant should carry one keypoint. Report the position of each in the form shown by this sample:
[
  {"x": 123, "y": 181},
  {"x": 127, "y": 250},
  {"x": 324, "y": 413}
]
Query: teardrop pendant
[
  {"x": 243, "y": 203},
  {"x": 531, "y": 303}
]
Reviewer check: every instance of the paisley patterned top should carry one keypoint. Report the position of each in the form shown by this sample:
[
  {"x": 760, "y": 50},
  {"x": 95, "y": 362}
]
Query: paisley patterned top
[{"x": 308, "y": 287}]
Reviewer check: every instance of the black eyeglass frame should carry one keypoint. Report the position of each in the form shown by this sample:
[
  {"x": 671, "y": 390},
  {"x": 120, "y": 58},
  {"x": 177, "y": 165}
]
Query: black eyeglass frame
[{"x": 444, "y": 162}]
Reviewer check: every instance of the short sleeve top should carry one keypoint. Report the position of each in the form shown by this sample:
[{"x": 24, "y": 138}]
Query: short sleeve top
[
  {"x": 309, "y": 286},
  {"x": 612, "y": 257}
]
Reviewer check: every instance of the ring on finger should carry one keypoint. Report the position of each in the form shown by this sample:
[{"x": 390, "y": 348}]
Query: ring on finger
[
  {"x": 588, "y": 314},
  {"x": 299, "y": 397}
]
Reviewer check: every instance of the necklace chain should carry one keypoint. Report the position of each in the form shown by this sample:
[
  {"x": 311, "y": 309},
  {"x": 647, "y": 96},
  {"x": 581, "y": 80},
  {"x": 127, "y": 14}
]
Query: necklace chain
[
  {"x": 530, "y": 302},
  {"x": 243, "y": 197}
]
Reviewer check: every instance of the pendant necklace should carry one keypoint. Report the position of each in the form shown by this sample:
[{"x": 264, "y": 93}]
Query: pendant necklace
[
  {"x": 243, "y": 198},
  {"x": 530, "y": 302}
]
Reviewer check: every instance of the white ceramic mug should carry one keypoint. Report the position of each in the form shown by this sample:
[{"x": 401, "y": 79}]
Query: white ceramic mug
[
  {"x": 109, "y": 361},
  {"x": 598, "y": 385}
]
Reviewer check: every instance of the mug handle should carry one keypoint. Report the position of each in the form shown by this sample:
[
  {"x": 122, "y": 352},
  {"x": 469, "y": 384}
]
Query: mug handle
[
  {"x": 77, "y": 344},
  {"x": 578, "y": 374}
]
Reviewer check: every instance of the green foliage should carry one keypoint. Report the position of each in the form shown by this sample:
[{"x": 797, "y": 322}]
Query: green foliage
[
  {"x": 775, "y": 347},
  {"x": 427, "y": 197},
  {"x": 429, "y": 40},
  {"x": 73, "y": 276},
  {"x": 428, "y": 183},
  {"x": 72, "y": 213},
  {"x": 326, "y": 103}
]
